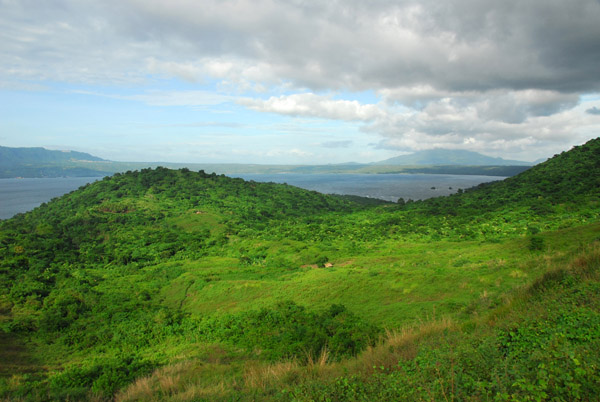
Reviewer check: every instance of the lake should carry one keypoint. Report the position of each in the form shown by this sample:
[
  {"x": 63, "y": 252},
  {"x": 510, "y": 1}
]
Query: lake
[
  {"x": 387, "y": 187},
  {"x": 22, "y": 195}
]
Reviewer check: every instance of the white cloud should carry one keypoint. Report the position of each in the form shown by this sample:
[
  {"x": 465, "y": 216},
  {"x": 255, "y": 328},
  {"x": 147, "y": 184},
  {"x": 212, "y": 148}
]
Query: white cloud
[
  {"x": 180, "y": 98},
  {"x": 312, "y": 105},
  {"x": 459, "y": 45},
  {"x": 525, "y": 122},
  {"x": 187, "y": 71},
  {"x": 275, "y": 153},
  {"x": 168, "y": 98},
  {"x": 462, "y": 125},
  {"x": 335, "y": 144}
]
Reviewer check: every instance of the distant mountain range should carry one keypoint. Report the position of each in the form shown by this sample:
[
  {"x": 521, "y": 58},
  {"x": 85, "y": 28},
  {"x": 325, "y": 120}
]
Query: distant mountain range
[
  {"x": 12, "y": 156},
  {"x": 40, "y": 162},
  {"x": 450, "y": 157}
]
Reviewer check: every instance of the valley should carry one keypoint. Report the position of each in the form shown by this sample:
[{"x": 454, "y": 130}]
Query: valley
[{"x": 163, "y": 284}]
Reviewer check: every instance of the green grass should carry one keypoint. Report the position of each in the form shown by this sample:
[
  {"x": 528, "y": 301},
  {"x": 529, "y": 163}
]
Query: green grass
[
  {"x": 391, "y": 288},
  {"x": 397, "y": 285},
  {"x": 539, "y": 343}
]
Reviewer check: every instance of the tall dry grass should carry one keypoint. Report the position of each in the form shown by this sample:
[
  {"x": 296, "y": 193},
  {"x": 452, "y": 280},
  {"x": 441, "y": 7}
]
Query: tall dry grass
[
  {"x": 262, "y": 376},
  {"x": 162, "y": 382},
  {"x": 196, "y": 380},
  {"x": 397, "y": 345},
  {"x": 184, "y": 381}
]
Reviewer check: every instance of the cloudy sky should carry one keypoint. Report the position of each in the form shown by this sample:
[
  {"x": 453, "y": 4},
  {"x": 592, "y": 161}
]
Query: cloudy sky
[{"x": 299, "y": 81}]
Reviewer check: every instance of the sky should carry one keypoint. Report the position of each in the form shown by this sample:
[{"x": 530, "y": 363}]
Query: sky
[{"x": 299, "y": 81}]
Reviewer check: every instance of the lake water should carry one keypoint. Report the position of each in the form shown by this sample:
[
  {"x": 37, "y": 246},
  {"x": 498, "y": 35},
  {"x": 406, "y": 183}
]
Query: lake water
[
  {"x": 22, "y": 195},
  {"x": 387, "y": 187}
]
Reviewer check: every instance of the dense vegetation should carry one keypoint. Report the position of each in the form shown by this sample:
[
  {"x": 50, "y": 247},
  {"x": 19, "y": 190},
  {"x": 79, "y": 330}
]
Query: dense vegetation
[{"x": 159, "y": 284}]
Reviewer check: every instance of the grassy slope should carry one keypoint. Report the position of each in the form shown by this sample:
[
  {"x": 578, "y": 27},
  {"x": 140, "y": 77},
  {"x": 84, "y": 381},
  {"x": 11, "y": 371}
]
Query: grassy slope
[
  {"x": 540, "y": 343},
  {"x": 149, "y": 268}
]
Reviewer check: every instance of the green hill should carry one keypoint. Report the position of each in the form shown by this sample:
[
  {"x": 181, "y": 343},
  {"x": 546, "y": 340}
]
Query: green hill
[{"x": 178, "y": 285}]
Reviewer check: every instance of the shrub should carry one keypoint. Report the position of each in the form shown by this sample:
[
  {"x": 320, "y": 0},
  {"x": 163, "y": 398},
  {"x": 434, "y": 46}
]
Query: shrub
[
  {"x": 288, "y": 330},
  {"x": 104, "y": 376},
  {"x": 536, "y": 243}
]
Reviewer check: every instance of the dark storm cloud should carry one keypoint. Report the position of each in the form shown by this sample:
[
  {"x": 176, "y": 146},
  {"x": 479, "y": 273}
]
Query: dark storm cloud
[
  {"x": 455, "y": 45},
  {"x": 544, "y": 44}
]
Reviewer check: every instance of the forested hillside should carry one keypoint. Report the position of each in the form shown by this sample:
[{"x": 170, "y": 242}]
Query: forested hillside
[{"x": 172, "y": 284}]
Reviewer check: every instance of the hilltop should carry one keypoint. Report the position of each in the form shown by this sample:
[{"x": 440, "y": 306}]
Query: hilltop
[{"x": 166, "y": 284}]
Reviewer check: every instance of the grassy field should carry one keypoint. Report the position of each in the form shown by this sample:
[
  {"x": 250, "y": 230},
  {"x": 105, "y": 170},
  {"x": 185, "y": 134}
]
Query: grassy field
[{"x": 530, "y": 347}]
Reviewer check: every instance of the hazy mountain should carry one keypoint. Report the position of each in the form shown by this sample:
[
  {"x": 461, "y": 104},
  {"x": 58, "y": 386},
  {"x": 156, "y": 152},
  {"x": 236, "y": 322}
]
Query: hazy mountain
[
  {"x": 450, "y": 157},
  {"x": 25, "y": 156},
  {"x": 40, "y": 162}
]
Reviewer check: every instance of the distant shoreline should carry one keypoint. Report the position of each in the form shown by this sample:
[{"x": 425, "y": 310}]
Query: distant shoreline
[
  {"x": 107, "y": 168},
  {"x": 20, "y": 195}
]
